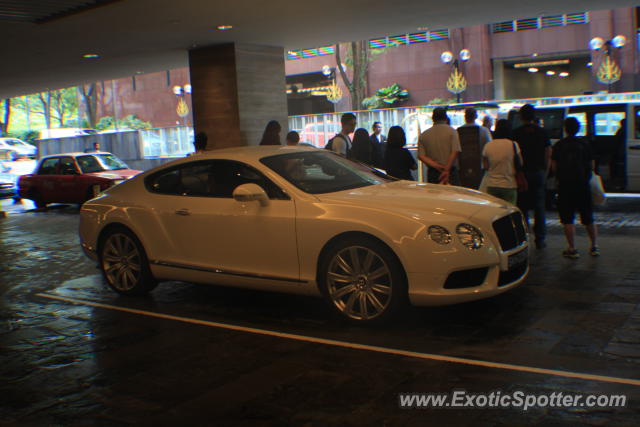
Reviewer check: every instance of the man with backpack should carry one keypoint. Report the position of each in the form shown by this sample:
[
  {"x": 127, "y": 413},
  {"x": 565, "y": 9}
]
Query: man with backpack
[
  {"x": 341, "y": 143},
  {"x": 572, "y": 164}
]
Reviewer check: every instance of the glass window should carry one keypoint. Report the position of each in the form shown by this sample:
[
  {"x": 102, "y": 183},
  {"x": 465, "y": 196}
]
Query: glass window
[
  {"x": 110, "y": 162},
  {"x": 551, "y": 119},
  {"x": 637, "y": 124},
  {"x": 215, "y": 178},
  {"x": 89, "y": 164},
  {"x": 607, "y": 123},
  {"x": 49, "y": 166},
  {"x": 582, "y": 118},
  {"x": 68, "y": 166},
  {"x": 317, "y": 172}
]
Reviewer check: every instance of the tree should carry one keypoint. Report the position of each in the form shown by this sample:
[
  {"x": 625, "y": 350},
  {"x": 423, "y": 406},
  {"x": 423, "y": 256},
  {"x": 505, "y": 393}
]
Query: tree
[
  {"x": 64, "y": 104},
  {"x": 4, "y": 124},
  {"x": 359, "y": 56},
  {"x": 90, "y": 102},
  {"x": 45, "y": 102}
]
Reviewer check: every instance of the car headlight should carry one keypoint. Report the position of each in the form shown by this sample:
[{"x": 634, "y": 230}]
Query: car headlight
[
  {"x": 439, "y": 234},
  {"x": 470, "y": 236}
]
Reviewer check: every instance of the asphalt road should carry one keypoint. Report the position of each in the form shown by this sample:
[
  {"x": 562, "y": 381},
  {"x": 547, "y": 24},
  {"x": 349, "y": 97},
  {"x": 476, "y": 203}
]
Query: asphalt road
[{"x": 75, "y": 353}]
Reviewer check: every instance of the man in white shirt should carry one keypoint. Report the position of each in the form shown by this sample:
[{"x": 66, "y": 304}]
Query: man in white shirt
[
  {"x": 341, "y": 143},
  {"x": 438, "y": 148}
]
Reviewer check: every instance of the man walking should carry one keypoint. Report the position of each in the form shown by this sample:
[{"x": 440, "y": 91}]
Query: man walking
[
  {"x": 438, "y": 149},
  {"x": 572, "y": 164},
  {"x": 341, "y": 143},
  {"x": 536, "y": 155},
  {"x": 472, "y": 141},
  {"x": 379, "y": 144}
]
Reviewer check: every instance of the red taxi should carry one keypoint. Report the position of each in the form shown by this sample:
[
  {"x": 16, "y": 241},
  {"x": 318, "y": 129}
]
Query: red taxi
[{"x": 73, "y": 177}]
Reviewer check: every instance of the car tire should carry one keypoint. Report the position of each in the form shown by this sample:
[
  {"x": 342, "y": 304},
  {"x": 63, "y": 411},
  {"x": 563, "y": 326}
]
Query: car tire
[
  {"x": 362, "y": 280},
  {"x": 124, "y": 263}
]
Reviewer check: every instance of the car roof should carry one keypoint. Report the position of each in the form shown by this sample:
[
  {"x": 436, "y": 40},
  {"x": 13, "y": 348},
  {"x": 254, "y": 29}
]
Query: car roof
[{"x": 74, "y": 154}]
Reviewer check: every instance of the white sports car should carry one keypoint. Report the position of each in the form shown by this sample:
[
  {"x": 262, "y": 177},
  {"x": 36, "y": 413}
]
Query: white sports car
[{"x": 306, "y": 221}]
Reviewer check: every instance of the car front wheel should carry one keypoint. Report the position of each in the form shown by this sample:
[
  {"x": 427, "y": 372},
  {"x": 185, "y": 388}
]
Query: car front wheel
[
  {"x": 124, "y": 263},
  {"x": 362, "y": 280}
]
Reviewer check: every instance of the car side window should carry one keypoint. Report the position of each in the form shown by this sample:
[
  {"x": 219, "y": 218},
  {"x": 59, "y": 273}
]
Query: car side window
[
  {"x": 49, "y": 166},
  {"x": 213, "y": 178},
  {"x": 88, "y": 164},
  {"x": 68, "y": 166},
  {"x": 231, "y": 174}
]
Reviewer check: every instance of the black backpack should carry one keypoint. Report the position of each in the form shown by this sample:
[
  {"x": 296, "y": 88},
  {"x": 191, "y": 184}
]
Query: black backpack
[{"x": 329, "y": 145}]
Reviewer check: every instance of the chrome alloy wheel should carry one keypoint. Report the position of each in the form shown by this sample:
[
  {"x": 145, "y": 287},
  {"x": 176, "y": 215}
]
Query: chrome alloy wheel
[
  {"x": 121, "y": 262},
  {"x": 359, "y": 283}
]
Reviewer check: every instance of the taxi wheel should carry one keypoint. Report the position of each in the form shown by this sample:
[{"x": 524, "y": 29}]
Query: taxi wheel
[
  {"x": 362, "y": 280},
  {"x": 124, "y": 263}
]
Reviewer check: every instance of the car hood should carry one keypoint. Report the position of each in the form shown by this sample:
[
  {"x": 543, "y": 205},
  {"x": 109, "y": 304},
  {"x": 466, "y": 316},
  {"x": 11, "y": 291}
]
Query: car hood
[
  {"x": 116, "y": 174},
  {"x": 416, "y": 197}
]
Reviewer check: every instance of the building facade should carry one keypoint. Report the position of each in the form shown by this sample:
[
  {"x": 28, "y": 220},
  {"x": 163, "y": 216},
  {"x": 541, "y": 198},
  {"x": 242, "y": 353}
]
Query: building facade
[{"x": 533, "y": 57}]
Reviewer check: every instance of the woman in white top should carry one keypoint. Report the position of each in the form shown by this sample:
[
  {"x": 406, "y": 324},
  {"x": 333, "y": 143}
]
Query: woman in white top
[{"x": 498, "y": 160}]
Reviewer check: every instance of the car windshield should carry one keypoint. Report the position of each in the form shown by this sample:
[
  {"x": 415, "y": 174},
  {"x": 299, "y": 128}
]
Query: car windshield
[
  {"x": 318, "y": 172},
  {"x": 100, "y": 162},
  {"x": 14, "y": 142}
]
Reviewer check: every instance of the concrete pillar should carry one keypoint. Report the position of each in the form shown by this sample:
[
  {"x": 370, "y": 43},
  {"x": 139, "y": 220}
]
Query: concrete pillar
[{"x": 236, "y": 89}]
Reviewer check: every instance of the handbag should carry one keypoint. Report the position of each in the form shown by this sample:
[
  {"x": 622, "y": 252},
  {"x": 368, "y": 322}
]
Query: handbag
[
  {"x": 598, "y": 196},
  {"x": 521, "y": 179}
]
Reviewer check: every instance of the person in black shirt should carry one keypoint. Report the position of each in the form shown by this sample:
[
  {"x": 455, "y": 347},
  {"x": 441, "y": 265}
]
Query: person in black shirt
[
  {"x": 572, "y": 164},
  {"x": 362, "y": 148},
  {"x": 536, "y": 155},
  {"x": 398, "y": 160}
]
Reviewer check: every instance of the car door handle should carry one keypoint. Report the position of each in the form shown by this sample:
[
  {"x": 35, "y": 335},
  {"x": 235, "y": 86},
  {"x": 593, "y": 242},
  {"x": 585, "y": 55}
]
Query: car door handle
[{"x": 183, "y": 212}]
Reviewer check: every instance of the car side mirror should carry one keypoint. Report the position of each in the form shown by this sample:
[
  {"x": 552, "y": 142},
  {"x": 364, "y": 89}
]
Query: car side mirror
[{"x": 250, "y": 193}]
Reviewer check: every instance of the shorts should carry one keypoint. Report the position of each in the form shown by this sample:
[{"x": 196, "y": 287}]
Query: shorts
[{"x": 574, "y": 200}]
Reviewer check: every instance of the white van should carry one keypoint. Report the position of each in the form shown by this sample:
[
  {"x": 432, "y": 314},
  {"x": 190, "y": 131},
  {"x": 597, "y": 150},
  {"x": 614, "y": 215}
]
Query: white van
[{"x": 65, "y": 132}]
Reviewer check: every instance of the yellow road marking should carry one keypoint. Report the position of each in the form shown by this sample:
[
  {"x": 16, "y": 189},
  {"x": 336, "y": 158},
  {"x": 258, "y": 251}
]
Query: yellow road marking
[{"x": 355, "y": 346}]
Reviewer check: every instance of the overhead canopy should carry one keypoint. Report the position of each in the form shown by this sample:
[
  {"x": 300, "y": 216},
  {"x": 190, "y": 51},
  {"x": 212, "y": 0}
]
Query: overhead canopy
[{"x": 44, "y": 41}]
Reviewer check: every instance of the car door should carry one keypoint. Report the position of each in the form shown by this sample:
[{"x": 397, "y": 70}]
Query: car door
[
  {"x": 67, "y": 182},
  {"x": 207, "y": 228},
  {"x": 45, "y": 179}
]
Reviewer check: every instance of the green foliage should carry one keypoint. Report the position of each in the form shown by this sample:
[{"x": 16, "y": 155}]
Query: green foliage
[
  {"x": 440, "y": 101},
  {"x": 386, "y": 97},
  {"x": 132, "y": 122},
  {"x": 106, "y": 122},
  {"x": 27, "y": 135}
]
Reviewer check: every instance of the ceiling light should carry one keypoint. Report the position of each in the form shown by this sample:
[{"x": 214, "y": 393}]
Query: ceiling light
[
  {"x": 550, "y": 73},
  {"x": 589, "y": 64},
  {"x": 541, "y": 63},
  {"x": 564, "y": 74},
  {"x": 423, "y": 28},
  {"x": 224, "y": 27},
  {"x": 90, "y": 56},
  {"x": 533, "y": 70},
  {"x": 534, "y": 55}
]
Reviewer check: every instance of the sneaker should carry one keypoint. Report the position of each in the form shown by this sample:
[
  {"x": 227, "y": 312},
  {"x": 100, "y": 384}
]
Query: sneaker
[
  {"x": 571, "y": 254},
  {"x": 595, "y": 251}
]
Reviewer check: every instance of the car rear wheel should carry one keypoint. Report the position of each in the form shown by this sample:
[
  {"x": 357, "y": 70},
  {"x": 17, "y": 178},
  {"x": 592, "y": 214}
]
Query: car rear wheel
[
  {"x": 362, "y": 280},
  {"x": 124, "y": 263}
]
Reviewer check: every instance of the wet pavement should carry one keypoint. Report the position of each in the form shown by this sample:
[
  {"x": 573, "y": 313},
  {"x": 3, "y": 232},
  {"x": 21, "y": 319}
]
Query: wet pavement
[{"x": 81, "y": 364}]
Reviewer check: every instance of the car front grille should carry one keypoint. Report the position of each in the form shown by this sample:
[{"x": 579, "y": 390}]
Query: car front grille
[
  {"x": 510, "y": 231},
  {"x": 466, "y": 278},
  {"x": 510, "y": 276}
]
